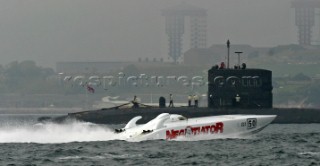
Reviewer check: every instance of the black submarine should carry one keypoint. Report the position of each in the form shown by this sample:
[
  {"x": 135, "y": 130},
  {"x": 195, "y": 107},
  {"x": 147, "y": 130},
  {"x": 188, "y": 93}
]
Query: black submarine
[{"x": 238, "y": 90}]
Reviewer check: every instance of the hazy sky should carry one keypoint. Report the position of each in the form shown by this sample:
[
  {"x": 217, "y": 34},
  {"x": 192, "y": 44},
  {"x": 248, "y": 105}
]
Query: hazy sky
[{"x": 48, "y": 31}]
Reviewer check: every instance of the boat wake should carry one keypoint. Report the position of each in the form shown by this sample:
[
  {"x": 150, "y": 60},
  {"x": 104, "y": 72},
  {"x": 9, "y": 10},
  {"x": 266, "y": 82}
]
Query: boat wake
[{"x": 70, "y": 131}]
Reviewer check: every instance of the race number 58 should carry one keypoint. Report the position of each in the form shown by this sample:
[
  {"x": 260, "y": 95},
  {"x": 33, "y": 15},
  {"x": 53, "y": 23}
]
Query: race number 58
[{"x": 251, "y": 123}]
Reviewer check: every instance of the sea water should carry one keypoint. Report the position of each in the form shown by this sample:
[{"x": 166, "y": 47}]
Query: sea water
[{"x": 25, "y": 141}]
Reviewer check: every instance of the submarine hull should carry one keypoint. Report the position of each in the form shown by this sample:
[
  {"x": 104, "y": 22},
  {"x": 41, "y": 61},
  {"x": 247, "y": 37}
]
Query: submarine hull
[{"x": 121, "y": 116}]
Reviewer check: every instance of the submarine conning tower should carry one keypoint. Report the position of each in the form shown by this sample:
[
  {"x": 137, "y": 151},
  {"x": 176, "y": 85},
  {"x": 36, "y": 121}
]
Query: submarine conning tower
[{"x": 239, "y": 88}]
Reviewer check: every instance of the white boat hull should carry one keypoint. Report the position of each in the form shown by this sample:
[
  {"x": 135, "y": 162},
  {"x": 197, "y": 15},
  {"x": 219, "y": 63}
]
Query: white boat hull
[{"x": 173, "y": 127}]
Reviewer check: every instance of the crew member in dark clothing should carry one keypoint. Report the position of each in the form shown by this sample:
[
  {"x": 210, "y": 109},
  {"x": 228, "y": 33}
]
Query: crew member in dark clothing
[
  {"x": 196, "y": 100},
  {"x": 222, "y": 65},
  {"x": 135, "y": 102},
  {"x": 189, "y": 100},
  {"x": 243, "y": 66},
  {"x": 171, "y": 101}
]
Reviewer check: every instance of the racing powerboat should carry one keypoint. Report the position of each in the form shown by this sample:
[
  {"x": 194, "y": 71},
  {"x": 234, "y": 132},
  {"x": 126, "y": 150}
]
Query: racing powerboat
[{"x": 173, "y": 127}]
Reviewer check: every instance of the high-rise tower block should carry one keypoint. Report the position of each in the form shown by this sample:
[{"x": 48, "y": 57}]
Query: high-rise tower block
[
  {"x": 304, "y": 18},
  {"x": 175, "y": 28}
]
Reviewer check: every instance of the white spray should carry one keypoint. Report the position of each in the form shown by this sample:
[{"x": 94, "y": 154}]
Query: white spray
[{"x": 72, "y": 131}]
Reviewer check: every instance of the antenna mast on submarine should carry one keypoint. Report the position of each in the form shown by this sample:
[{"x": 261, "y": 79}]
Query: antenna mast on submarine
[{"x": 228, "y": 46}]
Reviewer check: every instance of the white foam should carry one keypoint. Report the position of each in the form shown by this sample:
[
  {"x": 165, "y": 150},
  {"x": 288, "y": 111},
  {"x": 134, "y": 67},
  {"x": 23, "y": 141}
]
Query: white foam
[
  {"x": 81, "y": 157},
  {"x": 73, "y": 131},
  {"x": 109, "y": 156},
  {"x": 310, "y": 153}
]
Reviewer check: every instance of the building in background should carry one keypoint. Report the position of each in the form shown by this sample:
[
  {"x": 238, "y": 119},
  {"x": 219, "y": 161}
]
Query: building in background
[
  {"x": 175, "y": 28},
  {"x": 305, "y": 19}
]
